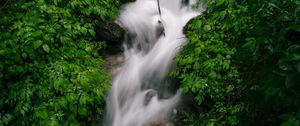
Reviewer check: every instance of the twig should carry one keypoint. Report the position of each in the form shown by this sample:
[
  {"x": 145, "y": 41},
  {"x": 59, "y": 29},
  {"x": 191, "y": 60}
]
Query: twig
[
  {"x": 158, "y": 5},
  {"x": 160, "y": 22},
  {"x": 5, "y": 4}
]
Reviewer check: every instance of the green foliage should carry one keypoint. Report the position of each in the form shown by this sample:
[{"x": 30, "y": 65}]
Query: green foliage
[
  {"x": 242, "y": 63},
  {"x": 50, "y": 67},
  {"x": 206, "y": 69},
  {"x": 273, "y": 55}
]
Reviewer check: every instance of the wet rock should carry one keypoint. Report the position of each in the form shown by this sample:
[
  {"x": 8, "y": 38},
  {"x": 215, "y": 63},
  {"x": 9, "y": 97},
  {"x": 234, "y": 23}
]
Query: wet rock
[
  {"x": 113, "y": 34},
  {"x": 110, "y": 32},
  {"x": 113, "y": 63},
  {"x": 149, "y": 95},
  {"x": 161, "y": 122}
]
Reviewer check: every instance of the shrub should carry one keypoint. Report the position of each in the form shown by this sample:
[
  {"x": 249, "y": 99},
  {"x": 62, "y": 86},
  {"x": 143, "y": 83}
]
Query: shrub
[
  {"x": 50, "y": 67},
  {"x": 241, "y": 63}
]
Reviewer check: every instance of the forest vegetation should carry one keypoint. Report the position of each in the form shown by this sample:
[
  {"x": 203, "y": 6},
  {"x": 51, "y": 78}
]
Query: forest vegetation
[{"x": 241, "y": 62}]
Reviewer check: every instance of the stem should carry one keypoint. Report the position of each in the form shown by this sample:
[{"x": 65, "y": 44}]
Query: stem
[
  {"x": 158, "y": 8},
  {"x": 160, "y": 22}
]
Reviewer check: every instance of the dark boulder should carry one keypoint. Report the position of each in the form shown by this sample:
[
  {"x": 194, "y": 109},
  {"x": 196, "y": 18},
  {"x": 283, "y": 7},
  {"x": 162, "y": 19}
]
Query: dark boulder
[
  {"x": 113, "y": 34},
  {"x": 110, "y": 32}
]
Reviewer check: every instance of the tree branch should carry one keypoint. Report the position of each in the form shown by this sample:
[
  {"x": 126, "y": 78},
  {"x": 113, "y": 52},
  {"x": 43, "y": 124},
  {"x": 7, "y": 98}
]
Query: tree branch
[
  {"x": 160, "y": 22},
  {"x": 158, "y": 8}
]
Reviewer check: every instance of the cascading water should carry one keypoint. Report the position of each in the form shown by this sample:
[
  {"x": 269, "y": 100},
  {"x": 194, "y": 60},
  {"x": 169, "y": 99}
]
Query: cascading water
[{"x": 139, "y": 93}]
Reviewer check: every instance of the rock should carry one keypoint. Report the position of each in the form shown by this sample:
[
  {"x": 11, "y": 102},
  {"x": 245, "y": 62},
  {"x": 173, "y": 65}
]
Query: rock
[
  {"x": 161, "y": 121},
  {"x": 113, "y": 34},
  {"x": 113, "y": 63},
  {"x": 110, "y": 32}
]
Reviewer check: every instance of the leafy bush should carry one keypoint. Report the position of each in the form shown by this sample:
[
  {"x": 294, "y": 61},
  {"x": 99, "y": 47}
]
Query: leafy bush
[
  {"x": 50, "y": 66},
  {"x": 242, "y": 63}
]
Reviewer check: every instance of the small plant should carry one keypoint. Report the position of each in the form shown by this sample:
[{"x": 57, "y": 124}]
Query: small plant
[
  {"x": 50, "y": 67},
  {"x": 241, "y": 63}
]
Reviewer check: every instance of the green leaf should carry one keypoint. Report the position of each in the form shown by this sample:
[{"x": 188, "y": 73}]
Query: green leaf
[
  {"x": 37, "y": 33},
  {"x": 37, "y": 44},
  {"x": 251, "y": 44},
  {"x": 88, "y": 49},
  {"x": 271, "y": 91},
  {"x": 83, "y": 30},
  {"x": 82, "y": 111},
  {"x": 297, "y": 12},
  {"x": 42, "y": 114},
  {"x": 219, "y": 2},
  {"x": 67, "y": 26},
  {"x": 83, "y": 99},
  {"x": 198, "y": 23},
  {"x": 222, "y": 15},
  {"x": 198, "y": 50},
  {"x": 92, "y": 32},
  {"x": 293, "y": 49},
  {"x": 46, "y": 48},
  {"x": 20, "y": 69},
  {"x": 206, "y": 28},
  {"x": 6, "y": 119},
  {"x": 293, "y": 57},
  {"x": 290, "y": 122},
  {"x": 291, "y": 80},
  {"x": 2, "y": 52},
  {"x": 274, "y": 5},
  {"x": 212, "y": 75}
]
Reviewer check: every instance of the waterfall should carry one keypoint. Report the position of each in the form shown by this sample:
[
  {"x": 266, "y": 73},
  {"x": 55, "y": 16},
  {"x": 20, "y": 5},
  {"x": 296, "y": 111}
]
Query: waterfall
[{"x": 139, "y": 94}]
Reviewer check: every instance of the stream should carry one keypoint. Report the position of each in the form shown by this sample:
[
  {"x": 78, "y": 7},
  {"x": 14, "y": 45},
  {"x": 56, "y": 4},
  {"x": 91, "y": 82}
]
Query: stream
[{"x": 140, "y": 94}]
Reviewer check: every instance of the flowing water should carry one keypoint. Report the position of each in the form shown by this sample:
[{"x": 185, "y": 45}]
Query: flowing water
[{"x": 140, "y": 93}]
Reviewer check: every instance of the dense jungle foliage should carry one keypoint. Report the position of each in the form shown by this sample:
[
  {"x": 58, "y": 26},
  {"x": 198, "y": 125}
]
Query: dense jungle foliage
[
  {"x": 242, "y": 63},
  {"x": 50, "y": 66}
]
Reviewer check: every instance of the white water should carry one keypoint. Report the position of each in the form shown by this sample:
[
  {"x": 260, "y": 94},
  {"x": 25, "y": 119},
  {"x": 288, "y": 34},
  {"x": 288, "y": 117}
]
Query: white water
[{"x": 139, "y": 95}]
